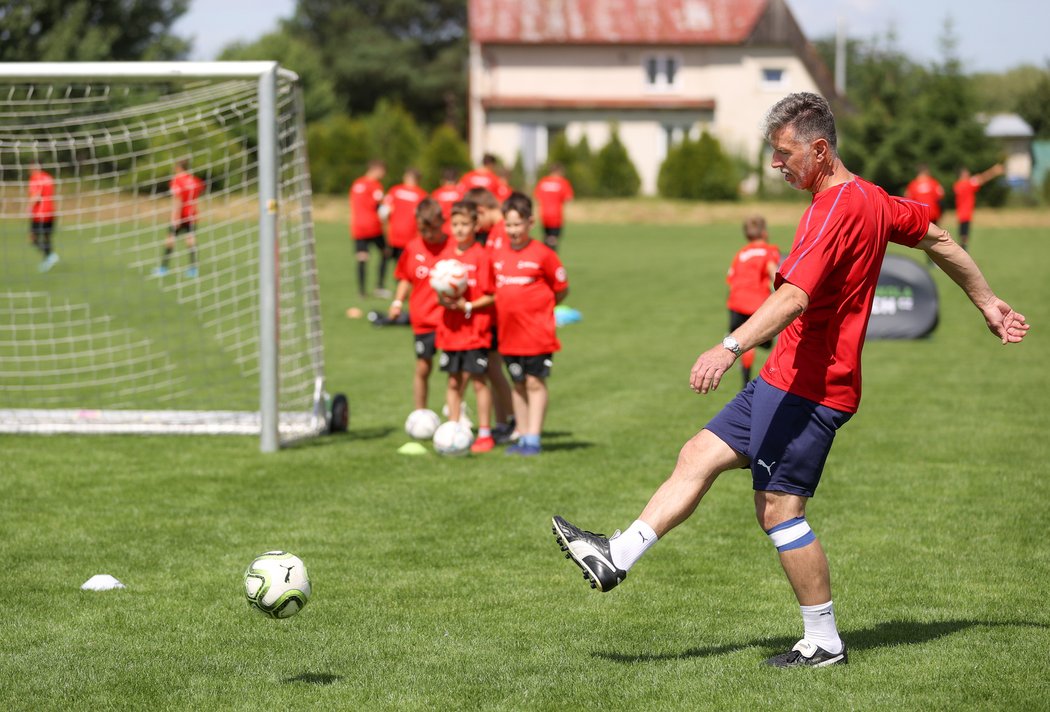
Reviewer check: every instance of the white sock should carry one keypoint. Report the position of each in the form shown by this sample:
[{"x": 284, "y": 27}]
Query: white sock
[
  {"x": 628, "y": 547},
  {"x": 820, "y": 626}
]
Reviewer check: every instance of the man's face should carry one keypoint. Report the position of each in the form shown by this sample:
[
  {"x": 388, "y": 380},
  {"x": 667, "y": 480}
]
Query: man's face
[
  {"x": 793, "y": 158},
  {"x": 517, "y": 229}
]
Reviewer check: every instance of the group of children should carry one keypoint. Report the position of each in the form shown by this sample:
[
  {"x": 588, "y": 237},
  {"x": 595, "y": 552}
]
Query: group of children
[{"x": 504, "y": 317}]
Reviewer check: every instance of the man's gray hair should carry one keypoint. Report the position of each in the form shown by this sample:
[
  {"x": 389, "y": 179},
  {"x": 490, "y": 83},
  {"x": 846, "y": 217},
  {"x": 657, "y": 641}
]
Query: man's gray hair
[{"x": 808, "y": 113}]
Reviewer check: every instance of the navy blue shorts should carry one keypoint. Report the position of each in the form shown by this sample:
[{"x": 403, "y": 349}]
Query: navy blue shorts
[{"x": 786, "y": 437}]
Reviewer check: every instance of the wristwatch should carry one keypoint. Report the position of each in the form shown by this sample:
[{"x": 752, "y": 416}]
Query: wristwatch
[{"x": 732, "y": 344}]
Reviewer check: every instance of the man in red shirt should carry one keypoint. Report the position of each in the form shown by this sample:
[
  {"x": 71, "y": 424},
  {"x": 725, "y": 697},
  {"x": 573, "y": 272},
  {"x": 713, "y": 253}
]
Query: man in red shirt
[
  {"x": 401, "y": 201},
  {"x": 485, "y": 177},
  {"x": 42, "y": 213},
  {"x": 965, "y": 190},
  {"x": 530, "y": 281},
  {"x": 782, "y": 425},
  {"x": 925, "y": 189},
  {"x": 552, "y": 192},
  {"x": 185, "y": 189},
  {"x": 750, "y": 280},
  {"x": 366, "y": 226},
  {"x": 424, "y": 312}
]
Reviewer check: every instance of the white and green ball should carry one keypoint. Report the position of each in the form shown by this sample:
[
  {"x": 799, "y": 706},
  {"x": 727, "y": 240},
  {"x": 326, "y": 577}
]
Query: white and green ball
[{"x": 277, "y": 584}]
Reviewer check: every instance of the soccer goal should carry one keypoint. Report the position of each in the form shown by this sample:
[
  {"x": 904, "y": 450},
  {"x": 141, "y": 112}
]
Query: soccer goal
[{"x": 133, "y": 312}]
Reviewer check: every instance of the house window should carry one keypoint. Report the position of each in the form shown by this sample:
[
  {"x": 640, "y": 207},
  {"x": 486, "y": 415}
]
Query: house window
[
  {"x": 774, "y": 78},
  {"x": 662, "y": 72}
]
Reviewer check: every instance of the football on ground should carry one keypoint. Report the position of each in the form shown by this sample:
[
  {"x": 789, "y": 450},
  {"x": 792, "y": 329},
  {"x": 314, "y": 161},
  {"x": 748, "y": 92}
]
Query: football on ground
[
  {"x": 449, "y": 278},
  {"x": 276, "y": 584},
  {"x": 422, "y": 424},
  {"x": 453, "y": 438}
]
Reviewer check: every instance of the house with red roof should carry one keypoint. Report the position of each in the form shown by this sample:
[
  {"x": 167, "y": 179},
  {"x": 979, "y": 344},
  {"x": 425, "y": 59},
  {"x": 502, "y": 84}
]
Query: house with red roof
[{"x": 656, "y": 69}]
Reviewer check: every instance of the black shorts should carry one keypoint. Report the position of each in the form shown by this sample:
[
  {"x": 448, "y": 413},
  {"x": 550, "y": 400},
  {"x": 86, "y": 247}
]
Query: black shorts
[
  {"x": 361, "y": 244},
  {"x": 474, "y": 361},
  {"x": 737, "y": 319},
  {"x": 41, "y": 228},
  {"x": 425, "y": 345},
  {"x": 552, "y": 231},
  {"x": 520, "y": 366}
]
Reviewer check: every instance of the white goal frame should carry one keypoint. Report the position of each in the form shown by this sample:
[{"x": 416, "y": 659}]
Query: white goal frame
[{"x": 273, "y": 427}]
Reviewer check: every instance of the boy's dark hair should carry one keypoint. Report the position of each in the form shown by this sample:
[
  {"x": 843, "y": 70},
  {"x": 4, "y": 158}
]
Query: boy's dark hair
[
  {"x": 519, "y": 203},
  {"x": 481, "y": 197},
  {"x": 489, "y": 160},
  {"x": 449, "y": 175},
  {"x": 754, "y": 226},
  {"x": 429, "y": 212},
  {"x": 465, "y": 207}
]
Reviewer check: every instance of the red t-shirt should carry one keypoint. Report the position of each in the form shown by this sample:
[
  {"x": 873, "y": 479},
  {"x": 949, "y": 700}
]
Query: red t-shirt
[
  {"x": 552, "y": 192},
  {"x": 424, "y": 312},
  {"x": 526, "y": 282},
  {"x": 965, "y": 198},
  {"x": 929, "y": 192},
  {"x": 365, "y": 195},
  {"x": 497, "y": 238},
  {"x": 836, "y": 258},
  {"x": 446, "y": 195},
  {"x": 456, "y": 332},
  {"x": 402, "y": 201},
  {"x": 482, "y": 178},
  {"x": 186, "y": 188},
  {"x": 41, "y": 193},
  {"x": 748, "y": 276}
]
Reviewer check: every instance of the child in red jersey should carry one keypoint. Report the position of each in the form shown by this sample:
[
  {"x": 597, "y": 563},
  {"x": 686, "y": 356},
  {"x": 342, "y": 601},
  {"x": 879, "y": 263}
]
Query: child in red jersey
[
  {"x": 750, "y": 280},
  {"x": 185, "y": 189},
  {"x": 366, "y": 226},
  {"x": 400, "y": 203},
  {"x": 42, "y": 213},
  {"x": 530, "y": 281},
  {"x": 464, "y": 333},
  {"x": 446, "y": 194},
  {"x": 966, "y": 197},
  {"x": 552, "y": 192},
  {"x": 424, "y": 312}
]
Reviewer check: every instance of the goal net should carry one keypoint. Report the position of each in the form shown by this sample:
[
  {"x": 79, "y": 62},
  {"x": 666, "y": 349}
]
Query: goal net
[{"x": 147, "y": 306}]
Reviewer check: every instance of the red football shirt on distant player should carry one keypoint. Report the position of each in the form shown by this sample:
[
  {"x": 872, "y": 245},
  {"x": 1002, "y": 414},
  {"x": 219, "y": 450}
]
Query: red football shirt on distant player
[
  {"x": 402, "y": 200},
  {"x": 836, "y": 259},
  {"x": 424, "y": 311},
  {"x": 457, "y": 331},
  {"x": 552, "y": 192},
  {"x": 42, "y": 195},
  {"x": 748, "y": 276},
  {"x": 526, "y": 282},
  {"x": 483, "y": 178},
  {"x": 365, "y": 196},
  {"x": 497, "y": 238},
  {"x": 446, "y": 195},
  {"x": 186, "y": 188},
  {"x": 965, "y": 198},
  {"x": 927, "y": 191}
]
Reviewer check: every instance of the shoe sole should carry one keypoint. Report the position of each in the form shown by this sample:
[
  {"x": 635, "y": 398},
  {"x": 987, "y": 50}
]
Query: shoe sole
[{"x": 588, "y": 575}]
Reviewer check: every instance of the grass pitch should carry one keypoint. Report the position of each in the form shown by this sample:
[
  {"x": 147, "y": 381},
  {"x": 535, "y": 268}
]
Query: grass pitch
[{"x": 437, "y": 583}]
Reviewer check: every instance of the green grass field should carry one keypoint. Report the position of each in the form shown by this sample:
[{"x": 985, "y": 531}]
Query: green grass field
[{"x": 437, "y": 583}]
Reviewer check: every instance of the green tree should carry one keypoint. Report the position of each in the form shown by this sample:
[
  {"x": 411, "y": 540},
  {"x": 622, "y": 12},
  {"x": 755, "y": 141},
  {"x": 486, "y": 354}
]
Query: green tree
[
  {"x": 409, "y": 51},
  {"x": 615, "y": 175},
  {"x": 445, "y": 150},
  {"x": 340, "y": 149},
  {"x": 394, "y": 137},
  {"x": 577, "y": 161},
  {"x": 1034, "y": 105},
  {"x": 90, "y": 30}
]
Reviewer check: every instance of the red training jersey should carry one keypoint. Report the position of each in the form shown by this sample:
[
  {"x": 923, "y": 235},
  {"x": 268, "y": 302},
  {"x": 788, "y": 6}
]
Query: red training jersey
[
  {"x": 186, "y": 188},
  {"x": 497, "y": 238},
  {"x": 748, "y": 276},
  {"x": 484, "y": 178},
  {"x": 41, "y": 196},
  {"x": 402, "y": 201},
  {"x": 552, "y": 192},
  {"x": 457, "y": 332},
  {"x": 365, "y": 196},
  {"x": 526, "y": 282},
  {"x": 965, "y": 198},
  {"x": 836, "y": 259},
  {"x": 446, "y": 195},
  {"x": 926, "y": 190},
  {"x": 424, "y": 311}
]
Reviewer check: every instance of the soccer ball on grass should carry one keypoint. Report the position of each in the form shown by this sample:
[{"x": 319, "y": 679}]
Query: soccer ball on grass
[
  {"x": 421, "y": 424},
  {"x": 277, "y": 584},
  {"x": 449, "y": 278},
  {"x": 453, "y": 438}
]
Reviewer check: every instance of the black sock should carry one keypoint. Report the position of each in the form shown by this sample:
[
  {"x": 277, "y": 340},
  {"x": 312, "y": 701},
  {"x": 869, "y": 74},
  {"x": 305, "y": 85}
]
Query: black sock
[{"x": 361, "y": 278}]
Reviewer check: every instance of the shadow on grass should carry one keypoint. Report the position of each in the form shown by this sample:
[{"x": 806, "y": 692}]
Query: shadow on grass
[
  {"x": 335, "y": 439},
  {"x": 883, "y": 635},
  {"x": 315, "y": 678}
]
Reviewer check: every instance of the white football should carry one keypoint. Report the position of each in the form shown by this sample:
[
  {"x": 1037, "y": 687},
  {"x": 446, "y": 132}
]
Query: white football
[
  {"x": 453, "y": 438},
  {"x": 449, "y": 277},
  {"x": 277, "y": 584},
  {"x": 421, "y": 424}
]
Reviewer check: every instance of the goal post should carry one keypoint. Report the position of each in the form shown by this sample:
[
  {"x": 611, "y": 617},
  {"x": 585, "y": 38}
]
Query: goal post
[{"x": 130, "y": 303}]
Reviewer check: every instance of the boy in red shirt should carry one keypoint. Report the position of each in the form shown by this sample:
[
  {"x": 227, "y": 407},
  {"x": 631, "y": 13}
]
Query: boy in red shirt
[
  {"x": 185, "y": 189},
  {"x": 750, "y": 280},
  {"x": 485, "y": 177},
  {"x": 446, "y": 194},
  {"x": 530, "y": 281},
  {"x": 401, "y": 201},
  {"x": 424, "y": 312},
  {"x": 464, "y": 333},
  {"x": 366, "y": 194},
  {"x": 965, "y": 190},
  {"x": 42, "y": 213},
  {"x": 925, "y": 189},
  {"x": 552, "y": 192}
]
